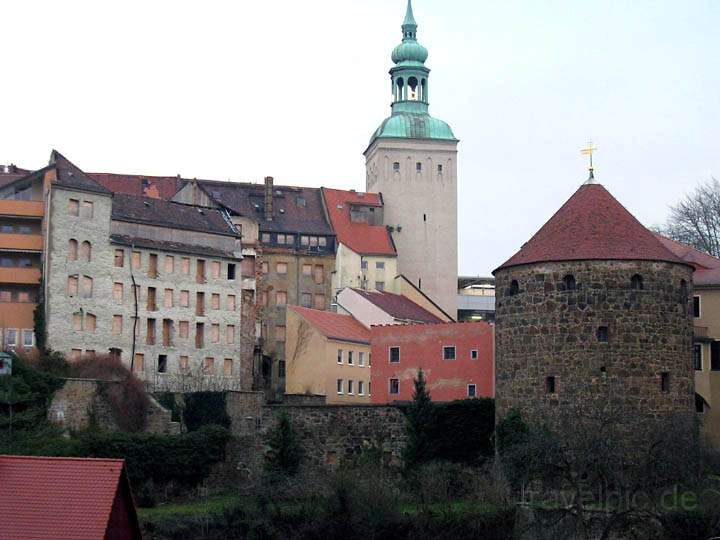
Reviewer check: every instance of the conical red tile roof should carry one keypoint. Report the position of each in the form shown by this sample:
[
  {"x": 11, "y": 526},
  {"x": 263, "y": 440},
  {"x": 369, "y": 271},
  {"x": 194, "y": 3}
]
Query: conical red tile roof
[{"x": 592, "y": 225}]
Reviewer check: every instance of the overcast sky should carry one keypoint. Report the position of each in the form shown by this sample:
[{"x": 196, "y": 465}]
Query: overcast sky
[{"x": 239, "y": 90}]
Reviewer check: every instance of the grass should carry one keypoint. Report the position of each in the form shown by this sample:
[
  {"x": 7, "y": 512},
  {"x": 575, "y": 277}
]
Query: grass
[{"x": 210, "y": 505}]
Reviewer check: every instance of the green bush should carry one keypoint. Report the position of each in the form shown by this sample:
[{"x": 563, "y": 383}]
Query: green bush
[
  {"x": 205, "y": 408},
  {"x": 285, "y": 453},
  {"x": 168, "y": 401},
  {"x": 511, "y": 430}
]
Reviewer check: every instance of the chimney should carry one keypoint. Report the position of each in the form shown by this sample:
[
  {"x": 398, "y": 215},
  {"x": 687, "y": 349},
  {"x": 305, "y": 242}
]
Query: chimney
[
  {"x": 13, "y": 168},
  {"x": 268, "y": 198}
]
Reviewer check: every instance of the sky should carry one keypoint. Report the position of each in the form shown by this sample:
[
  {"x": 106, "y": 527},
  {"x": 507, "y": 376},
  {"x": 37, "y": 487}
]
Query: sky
[{"x": 240, "y": 90}]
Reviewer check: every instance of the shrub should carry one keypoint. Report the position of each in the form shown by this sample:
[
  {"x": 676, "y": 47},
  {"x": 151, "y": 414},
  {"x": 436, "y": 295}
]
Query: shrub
[
  {"x": 285, "y": 453},
  {"x": 205, "y": 408},
  {"x": 420, "y": 415},
  {"x": 511, "y": 430}
]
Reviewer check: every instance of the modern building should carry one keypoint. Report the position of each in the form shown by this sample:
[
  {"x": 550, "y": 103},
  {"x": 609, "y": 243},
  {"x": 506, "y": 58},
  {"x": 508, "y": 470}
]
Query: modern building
[
  {"x": 476, "y": 298},
  {"x": 594, "y": 311},
  {"x": 59, "y": 497},
  {"x": 327, "y": 354},
  {"x": 457, "y": 360},
  {"x": 706, "y": 334},
  {"x": 411, "y": 161},
  {"x": 366, "y": 257}
]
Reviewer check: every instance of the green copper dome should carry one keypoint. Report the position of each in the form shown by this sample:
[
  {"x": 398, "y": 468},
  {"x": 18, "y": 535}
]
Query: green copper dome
[
  {"x": 407, "y": 125},
  {"x": 409, "y": 51}
]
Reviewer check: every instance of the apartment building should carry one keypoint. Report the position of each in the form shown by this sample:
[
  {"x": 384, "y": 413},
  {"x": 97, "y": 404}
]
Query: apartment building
[
  {"x": 327, "y": 354},
  {"x": 21, "y": 247}
]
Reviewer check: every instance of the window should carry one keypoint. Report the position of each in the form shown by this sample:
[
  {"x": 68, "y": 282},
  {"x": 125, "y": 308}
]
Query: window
[
  {"x": 569, "y": 282},
  {"x": 24, "y": 263},
  {"x": 215, "y": 269},
  {"x": 167, "y": 332},
  {"x": 228, "y": 367},
  {"x": 474, "y": 354},
  {"x": 230, "y": 334},
  {"x": 89, "y": 352},
  {"x": 117, "y": 325},
  {"x": 361, "y": 359},
  {"x": 319, "y": 274},
  {"x": 75, "y": 354},
  {"x": 379, "y": 285},
  {"x": 200, "y": 304},
  {"x": 214, "y": 301},
  {"x": 439, "y": 169},
  {"x": 162, "y": 363},
  {"x": 209, "y": 365},
  {"x": 77, "y": 321},
  {"x": 23, "y": 296},
  {"x": 72, "y": 250},
  {"x": 185, "y": 265},
  {"x": 183, "y": 363},
  {"x": 263, "y": 298},
  {"x": 340, "y": 356},
  {"x": 665, "y": 381},
  {"x": 471, "y": 390},
  {"x": 280, "y": 333},
  {"x": 184, "y": 329},
  {"x": 90, "y": 322},
  {"x": 418, "y": 167},
  {"x": 72, "y": 288},
  {"x": 266, "y": 238},
  {"x": 363, "y": 265},
  {"x": 396, "y": 166},
  {"x": 602, "y": 334},
  {"x": 88, "y": 209},
  {"x": 168, "y": 298},
  {"x": 550, "y": 385},
  {"x": 313, "y": 241},
  {"x": 699, "y": 404},
  {"x": 380, "y": 265},
  {"x": 304, "y": 240},
  {"x": 339, "y": 386},
  {"x": 394, "y": 387},
  {"x": 280, "y": 298},
  {"x": 307, "y": 269},
  {"x": 153, "y": 266},
  {"x": 306, "y": 299},
  {"x": 199, "y": 335},
  {"x": 86, "y": 251},
  {"x": 115, "y": 353},
  {"x": 715, "y": 356},
  {"x": 636, "y": 282},
  {"x": 696, "y": 306},
  {"x": 151, "y": 299},
  {"x": 73, "y": 207},
  {"x": 185, "y": 298},
  {"x": 280, "y": 238},
  {"x": 350, "y": 360},
  {"x": 28, "y": 337},
  {"x": 150, "y": 335},
  {"x": 265, "y": 268},
  {"x": 119, "y": 258},
  {"x": 169, "y": 266},
  {"x": 514, "y": 288},
  {"x": 200, "y": 271},
  {"x": 394, "y": 354},
  {"x": 87, "y": 286},
  {"x": 319, "y": 301},
  {"x": 247, "y": 267},
  {"x": 139, "y": 364},
  {"x": 449, "y": 352},
  {"x": 697, "y": 357},
  {"x": 350, "y": 389},
  {"x": 215, "y": 333},
  {"x": 281, "y": 268},
  {"x": 231, "y": 271},
  {"x": 231, "y": 302},
  {"x": 136, "y": 260}
]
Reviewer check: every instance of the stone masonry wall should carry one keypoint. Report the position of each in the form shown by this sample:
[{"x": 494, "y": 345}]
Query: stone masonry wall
[{"x": 547, "y": 330}]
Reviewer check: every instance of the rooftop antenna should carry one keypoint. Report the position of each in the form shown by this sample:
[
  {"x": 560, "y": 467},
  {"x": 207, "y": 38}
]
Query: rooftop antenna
[{"x": 588, "y": 151}]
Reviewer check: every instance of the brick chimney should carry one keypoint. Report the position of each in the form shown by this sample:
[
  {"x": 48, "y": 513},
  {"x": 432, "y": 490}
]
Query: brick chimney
[{"x": 268, "y": 198}]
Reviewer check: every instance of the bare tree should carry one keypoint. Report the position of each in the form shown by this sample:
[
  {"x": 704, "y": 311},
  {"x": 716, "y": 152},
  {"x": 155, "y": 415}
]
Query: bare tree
[{"x": 695, "y": 220}]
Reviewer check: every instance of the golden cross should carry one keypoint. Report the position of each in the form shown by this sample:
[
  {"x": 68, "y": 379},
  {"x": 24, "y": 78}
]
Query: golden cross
[{"x": 588, "y": 151}]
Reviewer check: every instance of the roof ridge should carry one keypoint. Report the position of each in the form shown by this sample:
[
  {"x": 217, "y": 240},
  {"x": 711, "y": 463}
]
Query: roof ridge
[{"x": 62, "y": 458}]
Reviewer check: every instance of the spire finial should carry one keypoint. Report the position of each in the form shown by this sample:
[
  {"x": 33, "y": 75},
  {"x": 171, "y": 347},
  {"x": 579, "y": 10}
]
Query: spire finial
[
  {"x": 409, "y": 17},
  {"x": 588, "y": 151}
]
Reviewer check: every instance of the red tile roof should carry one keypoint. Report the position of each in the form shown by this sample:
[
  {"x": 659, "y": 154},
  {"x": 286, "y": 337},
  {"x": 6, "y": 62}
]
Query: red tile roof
[
  {"x": 158, "y": 187},
  {"x": 362, "y": 238},
  {"x": 592, "y": 224},
  {"x": 399, "y": 307},
  {"x": 334, "y": 325},
  {"x": 50, "y": 498},
  {"x": 707, "y": 267}
]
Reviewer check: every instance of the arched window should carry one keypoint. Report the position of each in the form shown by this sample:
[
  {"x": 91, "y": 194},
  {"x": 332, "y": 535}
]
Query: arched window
[
  {"x": 514, "y": 288},
  {"x": 636, "y": 282},
  {"x": 400, "y": 87},
  {"x": 413, "y": 84},
  {"x": 603, "y": 335},
  {"x": 423, "y": 90},
  {"x": 72, "y": 249},
  {"x": 85, "y": 251},
  {"x": 569, "y": 282}
]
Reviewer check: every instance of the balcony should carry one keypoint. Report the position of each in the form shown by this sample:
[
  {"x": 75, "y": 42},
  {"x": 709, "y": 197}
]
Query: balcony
[
  {"x": 700, "y": 333},
  {"x": 21, "y": 242},
  {"x": 24, "y": 276},
  {"x": 11, "y": 207}
]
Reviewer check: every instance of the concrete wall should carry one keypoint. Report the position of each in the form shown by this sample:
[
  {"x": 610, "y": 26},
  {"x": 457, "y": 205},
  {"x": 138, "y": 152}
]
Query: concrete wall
[
  {"x": 410, "y": 291},
  {"x": 349, "y": 271},
  {"x": 313, "y": 368},
  {"x": 424, "y": 206}
]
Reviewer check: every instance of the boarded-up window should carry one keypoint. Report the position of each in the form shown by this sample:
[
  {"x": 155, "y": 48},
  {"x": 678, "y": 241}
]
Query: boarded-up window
[
  {"x": 119, "y": 258},
  {"x": 280, "y": 333},
  {"x": 73, "y": 207},
  {"x": 88, "y": 209},
  {"x": 200, "y": 271},
  {"x": 184, "y": 329},
  {"x": 185, "y": 298},
  {"x": 209, "y": 365},
  {"x": 185, "y": 265},
  {"x": 72, "y": 285},
  {"x": 86, "y": 251},
  {"x": 231, "y": 302},
  {"x": 87, "y": 286},
  {"x": 200, "y": 304},
  {"x": 168, "y": 298},
  {"x": 264, "y": 298},
  {"x": 139, "y": 364},
  {"x": 319, "y": 274},
  {"x": 281, "y": 298},
  {"x": 228, "y": 367},
  {"x": 151, "y": 299},
  {"x": 215, "y": 333},
  {"x": 153, "y": 266},
  {"x": 306, "y": 299},
  {"x": 77, "y": 321},
  {"x": 136, "y": 260},
  {"x": 281, "y": 268},
  {"x": 150, "y": 334},
  {"x": 199, "y": 335},
  {"x": 183, "y": 363},
  {"x": 90, "y": 322},
  {"x": 265, "y": 268},
  {"x": 247, "y": 267},
  {"x": 117, "y": 325},
  {"x": 215, "y": 301},
  {"x": 230, "y": 334},
  {"x": 319, "y": 301},
  {"x": 307, "y": 269},
  {"x": 215, "y": 269},
  {"x": 167, "y": 330},
  {"x": 169, "y": 264},
  {"x": 72, "y": 249},
  {"x": 75, "y": 355}
]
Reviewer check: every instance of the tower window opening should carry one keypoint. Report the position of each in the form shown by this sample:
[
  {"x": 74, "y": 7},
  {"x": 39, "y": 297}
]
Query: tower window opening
[
  {"x": 400, "y": 89},
  {"x": 413, "y": 84},
  {"x": 636, "y": 282},
  {"x": 665, "y": 381},
  {"x": 602, "y": 334},
  {"x": 550, "y": 385},
  {"x": 424, "y": 217},
  {"x": 440, "y": 169},
  {"x": 418, "y": 166},
  {"x": 569, "y": 282},
  {"x": 396, "y": 166},
  {"x": 514, "y": 288}
]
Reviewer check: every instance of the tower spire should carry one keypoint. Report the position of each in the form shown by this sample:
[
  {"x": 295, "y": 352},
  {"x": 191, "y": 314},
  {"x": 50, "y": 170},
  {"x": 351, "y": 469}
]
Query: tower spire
[
  {"x": 409, "y": 25},
  {"x": 588, "y": 151}
]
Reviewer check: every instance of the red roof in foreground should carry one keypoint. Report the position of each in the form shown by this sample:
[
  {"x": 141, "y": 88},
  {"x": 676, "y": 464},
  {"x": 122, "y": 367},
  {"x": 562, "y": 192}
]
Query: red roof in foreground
[
  {"x": 707, "y": 267},
  {"x": 592, "y": 224},
  {"x": 334, "y": 325},
  {"x": 361, "y": 237},
  {"x": 399, "y": 307},
  {"x": 51, "y": 498}
]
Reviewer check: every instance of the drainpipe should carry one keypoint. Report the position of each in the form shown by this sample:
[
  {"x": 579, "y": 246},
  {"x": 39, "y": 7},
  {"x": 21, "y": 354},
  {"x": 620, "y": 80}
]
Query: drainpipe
[{"x": 135, "y": 319}]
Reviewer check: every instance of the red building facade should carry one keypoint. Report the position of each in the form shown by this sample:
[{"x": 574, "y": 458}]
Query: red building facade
[{"x": 456, "y": 358}]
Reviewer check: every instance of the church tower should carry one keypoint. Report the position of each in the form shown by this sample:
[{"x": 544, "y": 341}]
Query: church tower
[{"x": 412, "y": 162}]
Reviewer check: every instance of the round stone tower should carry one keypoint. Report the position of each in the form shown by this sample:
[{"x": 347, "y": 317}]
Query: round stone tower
[{"x": 593, "y": 308}]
